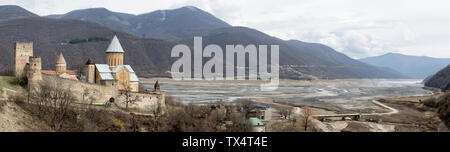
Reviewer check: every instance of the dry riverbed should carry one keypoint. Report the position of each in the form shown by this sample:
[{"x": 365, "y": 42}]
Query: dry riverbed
[{"x": 326, "y": 97}]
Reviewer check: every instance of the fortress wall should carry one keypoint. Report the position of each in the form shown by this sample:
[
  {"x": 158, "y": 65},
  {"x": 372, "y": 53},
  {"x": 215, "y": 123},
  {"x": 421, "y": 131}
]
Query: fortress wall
[
  {"x": 145, "y": 102},
  {"x": 98, "y": 93}
]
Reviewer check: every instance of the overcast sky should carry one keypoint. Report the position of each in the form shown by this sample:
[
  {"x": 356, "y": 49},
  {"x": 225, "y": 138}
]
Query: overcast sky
[{"x": 358, "y": 28}]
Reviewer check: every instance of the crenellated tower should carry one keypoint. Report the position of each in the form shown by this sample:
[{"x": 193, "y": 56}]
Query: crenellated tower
[{"x": 34, "y": 69}]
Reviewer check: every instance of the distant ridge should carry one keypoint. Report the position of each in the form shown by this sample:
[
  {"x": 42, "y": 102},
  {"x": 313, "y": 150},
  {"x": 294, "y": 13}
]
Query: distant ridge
[
  {"x": 173, "y": 24},
  {"x": 8, "y": 12},
  {"x": 297, "y": 58},
  {"x": 418, "y": 67}
]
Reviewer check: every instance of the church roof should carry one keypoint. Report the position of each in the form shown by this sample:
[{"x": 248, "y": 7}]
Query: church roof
[
  {"x": 106, "y": 72},
  {"x": 61, "y": 59},
  {"x": 114, "y": 46},
  {"x": 133, "y": 77},
  {"x": 119, "y": 67},
  {"x": 106, "y": 76},
  {"x": 103, "y": 68},
  {"x": 129, "y": 68},
  {"x": 51, "y": 72},
  {"x": 254, "y": 122}
]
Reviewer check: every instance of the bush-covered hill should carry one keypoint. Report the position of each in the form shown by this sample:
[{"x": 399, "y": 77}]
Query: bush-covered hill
[{"x": 440, "y": 80}]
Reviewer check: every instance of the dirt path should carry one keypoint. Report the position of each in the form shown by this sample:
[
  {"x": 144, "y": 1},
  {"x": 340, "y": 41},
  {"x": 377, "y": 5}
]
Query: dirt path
[{"x": 393, "y": 110}]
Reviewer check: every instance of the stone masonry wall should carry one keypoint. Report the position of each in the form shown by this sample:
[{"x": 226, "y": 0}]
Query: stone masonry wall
[
  {"x": 145, "y": 102},
  {"x": 99, "y": 94}
]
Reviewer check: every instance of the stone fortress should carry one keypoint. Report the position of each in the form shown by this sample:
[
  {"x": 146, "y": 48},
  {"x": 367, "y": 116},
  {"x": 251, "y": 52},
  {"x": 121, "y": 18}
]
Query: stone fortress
[{"x": 101, "y": 81}]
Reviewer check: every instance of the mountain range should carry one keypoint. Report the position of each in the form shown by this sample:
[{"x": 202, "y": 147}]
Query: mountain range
[
  {"x": 299, "y": 57},
  {"x": 173, "y": 24},
  {"x": 149, "y": 38},
  {"x": 417, "y": 67}
]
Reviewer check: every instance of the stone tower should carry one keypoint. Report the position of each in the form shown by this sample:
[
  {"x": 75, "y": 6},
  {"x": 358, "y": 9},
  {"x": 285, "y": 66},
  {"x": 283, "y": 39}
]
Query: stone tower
[
  {"x": 22, "y": 52},
  {"x": 61, "y": 65},
  {"x": 114, "y": 53},
  {"x": 34, "y": 69},
  {"x": 157, "y": 88},
  {"x": 90, "y": 71}
]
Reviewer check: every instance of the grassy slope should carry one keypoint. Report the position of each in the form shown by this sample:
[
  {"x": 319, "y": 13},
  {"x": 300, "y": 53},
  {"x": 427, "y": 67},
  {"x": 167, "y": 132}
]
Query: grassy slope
[
  {"x": 12, "y": 117},
  {"x": 10, "y": 83}
]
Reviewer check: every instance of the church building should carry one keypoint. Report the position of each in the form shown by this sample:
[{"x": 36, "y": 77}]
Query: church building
[
  {"x": 61, "y": 69},
  {"x": 114, "y": 72}
]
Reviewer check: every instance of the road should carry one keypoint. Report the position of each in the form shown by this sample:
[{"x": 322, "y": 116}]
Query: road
[{"x": 393, "y": 111}]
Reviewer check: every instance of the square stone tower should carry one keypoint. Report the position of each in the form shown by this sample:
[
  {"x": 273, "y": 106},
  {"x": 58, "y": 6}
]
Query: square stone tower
[
  {"x": 22, "y": 52},
  {"x": 34, "y": 69}
]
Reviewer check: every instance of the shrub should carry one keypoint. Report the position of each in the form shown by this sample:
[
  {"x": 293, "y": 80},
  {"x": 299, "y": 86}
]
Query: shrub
[
  {"x": 430, "y": 102},
  {"x": 23, "y": 82},
  {"x": 444, "y": 108},
  {"x": 446, "y": 88},
  {"x": 290, "y": 127},
  {"x": 2, "y": 104},
  {"x": 76, "y": 41},
  {"x": 91, "y": 39},
  {"x": 170, "y": 101},
  {"x": 118, "y": 125},
  {"x": 17, "y": 99}
]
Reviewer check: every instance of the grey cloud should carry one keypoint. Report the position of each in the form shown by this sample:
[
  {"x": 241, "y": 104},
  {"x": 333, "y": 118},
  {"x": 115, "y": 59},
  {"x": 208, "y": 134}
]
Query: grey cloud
[{"x": 355, "y": 27}]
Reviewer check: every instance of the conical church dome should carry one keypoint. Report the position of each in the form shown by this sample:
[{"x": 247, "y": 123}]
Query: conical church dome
[
  {"x": 114, "y": 46},
  {"x": 61, "y": 59}
]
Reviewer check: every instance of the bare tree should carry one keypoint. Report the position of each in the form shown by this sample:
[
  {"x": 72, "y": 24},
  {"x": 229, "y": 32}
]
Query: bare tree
[
  {"x": 307, "y": 114},
  {"x": 86, "y": 93},
  {"x": 127, "y": 92},
  {"x": 237, "y": 123},
  {"x": 53, "y": 103},
  {"x": 285, "y": 113},
  {"x": 61, "y": 103}
]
